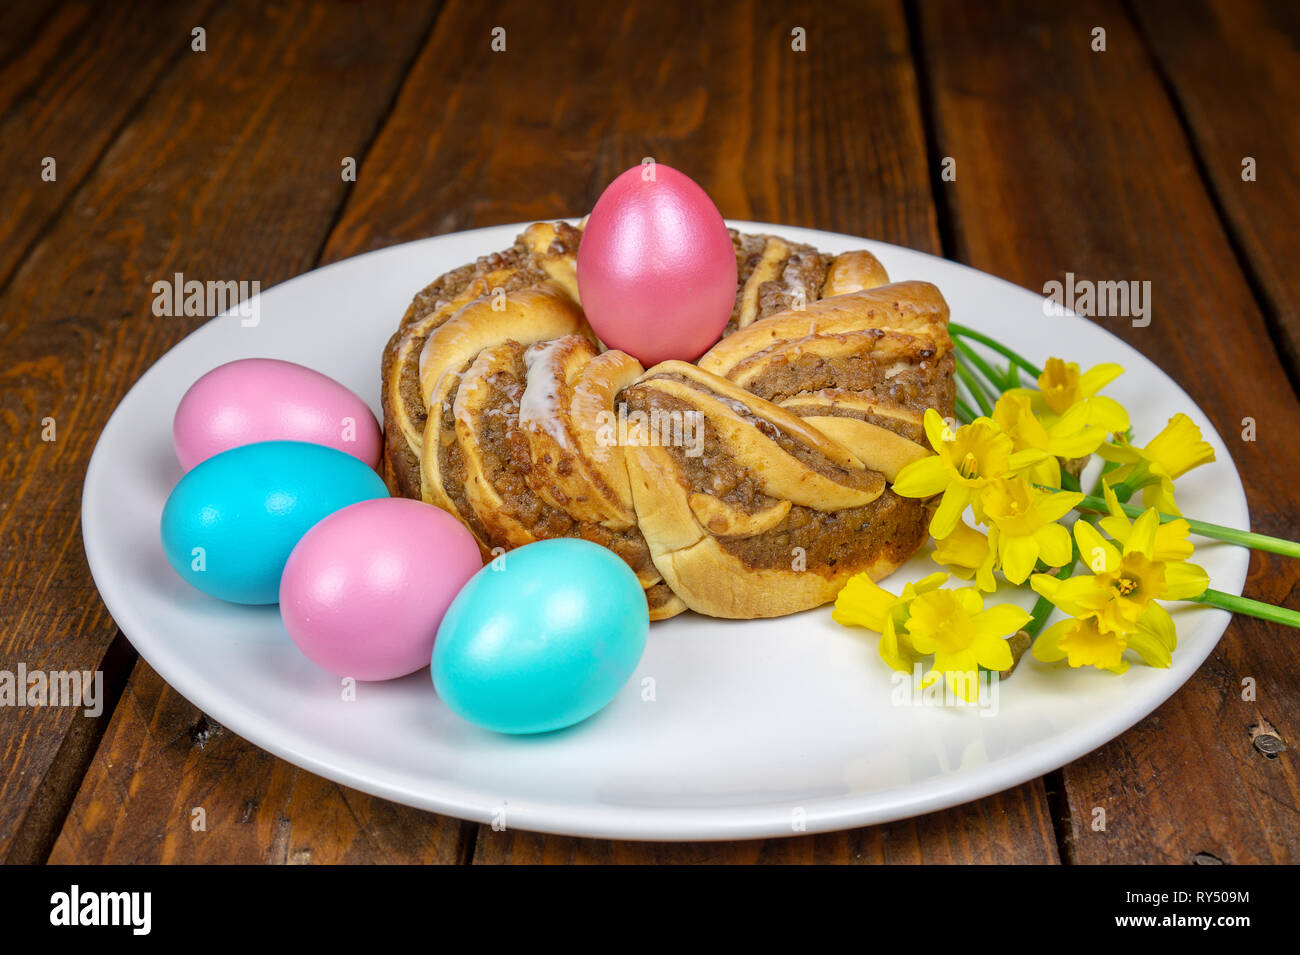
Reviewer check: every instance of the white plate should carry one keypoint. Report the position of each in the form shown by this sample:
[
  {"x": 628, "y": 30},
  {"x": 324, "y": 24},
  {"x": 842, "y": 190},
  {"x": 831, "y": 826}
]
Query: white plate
[{"x": 758, "y": 728}]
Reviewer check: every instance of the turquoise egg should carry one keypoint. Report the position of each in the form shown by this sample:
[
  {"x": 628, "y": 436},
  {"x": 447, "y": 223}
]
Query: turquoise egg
[
  {"x": 230, "y": 523},
  {"x": 541, "y": 638}
]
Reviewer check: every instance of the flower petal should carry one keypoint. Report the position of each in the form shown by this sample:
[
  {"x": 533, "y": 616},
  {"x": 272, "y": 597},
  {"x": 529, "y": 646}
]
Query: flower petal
[
  {"x": 936, "y": 429},
  {"x": 1048, "y": 645},
  {"x": 1184, "y": 581},
  {"x": 1099, "y": 554},
  {"x": 923, "y": 478},
  {"x": 863, "y": 603},
  {"x": 1018, "y": 556},
  {"x": 1108, "y": 413},
  {"x": 1155, "y": 622},
  {"x": 949, "y": 512},
  {"x": 1142, "y": 538},
  {"x": 1001, "y": 620},
  {"x": 1098, "y": 377},
  {"x": 1055, "y": 546}
]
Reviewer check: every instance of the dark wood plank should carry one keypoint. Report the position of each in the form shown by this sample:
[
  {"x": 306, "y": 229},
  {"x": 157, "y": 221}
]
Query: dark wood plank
[
  {"x": 20, "y": 23},
  {"x": 171, "y": 786},
  {"x": 1234, "y": 67},
  {"x": 1070, "y": 160},
  {"x": 229, "y": 170},
  {"x": 1011, "y": 827},
  {"x": 829, "y": 138},
  {"x": 64, "y": 93}
]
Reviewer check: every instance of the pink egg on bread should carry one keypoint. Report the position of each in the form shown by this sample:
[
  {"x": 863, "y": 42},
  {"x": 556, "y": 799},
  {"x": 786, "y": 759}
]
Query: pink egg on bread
[
  {"x": 265, "y": 399},
  {"x": 656, "y": 266}
]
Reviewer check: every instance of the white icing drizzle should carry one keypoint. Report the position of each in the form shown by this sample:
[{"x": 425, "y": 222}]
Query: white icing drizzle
[
  {"x": 539, "y": 408},
  {"x": 793, "y": 280}
]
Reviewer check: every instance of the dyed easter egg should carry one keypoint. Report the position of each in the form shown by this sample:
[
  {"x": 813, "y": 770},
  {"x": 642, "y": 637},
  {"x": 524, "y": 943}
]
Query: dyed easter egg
[
  {"x": 230, "y": 524},
  {"x": 541, "y": 638},
  {"x": 264, "y": 399},
  {"x": 364, "y": 591},
  {"x": 656, "y": 266}
]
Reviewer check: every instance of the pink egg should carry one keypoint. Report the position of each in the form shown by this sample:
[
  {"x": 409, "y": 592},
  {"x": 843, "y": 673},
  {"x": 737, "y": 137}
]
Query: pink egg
[
  {"x": 263, "y": 399},
  {"x": 656, "y": 267},
  {"x": 364, "y": 591}
]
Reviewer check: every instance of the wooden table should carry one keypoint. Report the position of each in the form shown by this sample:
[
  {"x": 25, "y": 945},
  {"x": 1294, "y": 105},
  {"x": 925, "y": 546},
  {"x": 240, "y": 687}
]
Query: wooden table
[{"x": 1125, "y": 163}]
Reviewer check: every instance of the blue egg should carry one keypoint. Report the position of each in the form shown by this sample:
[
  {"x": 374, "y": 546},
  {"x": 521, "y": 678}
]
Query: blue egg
[
  {"x": 541, "y": 638},
  {"x": 230, "y": 523}
]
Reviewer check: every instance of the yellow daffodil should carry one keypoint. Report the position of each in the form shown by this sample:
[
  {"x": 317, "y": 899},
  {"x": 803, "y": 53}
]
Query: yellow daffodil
[
  {"x": 1065, "y": 437},
  {"x": 1171, "y": 543},
  {"x": 964, "y": 461},
  {"x": 963, "y": 636},
  {"x": 864, "y": 603},
  {"x": 1169, "y": 455},
  {"x": 1082, "y": 643},
  {"x": 1062, "y": 388},
  {"x": 1025, "y": 521},
  {"x": 967, "y": 553},
  {"x": 1123, "y": 583}
]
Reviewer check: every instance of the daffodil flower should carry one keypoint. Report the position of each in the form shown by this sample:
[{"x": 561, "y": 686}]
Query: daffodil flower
[
  {"x": 1082, "y": 643},
  {"x": 1025, "y": 521},
  {"x": 1123, "y": 584},
  {"x": 964, "y": 461},
  {"x": 1169, "y": 455},
  {"x": 1171, "y": 538},
  {"x": 1062, "y": 388},
  {"x": 967, "y": 553},
  {"x": 1067, "y": 437},
  {"x": 864, "y": 603},
  {"x": 963, "y": 636}
]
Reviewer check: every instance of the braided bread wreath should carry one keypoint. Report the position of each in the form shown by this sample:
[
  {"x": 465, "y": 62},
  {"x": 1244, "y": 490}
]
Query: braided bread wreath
[{"x": 752, "y": 483}]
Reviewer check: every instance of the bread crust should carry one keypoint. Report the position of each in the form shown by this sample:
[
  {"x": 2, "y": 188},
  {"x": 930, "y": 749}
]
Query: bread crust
[{"x": 499, "y": 403}]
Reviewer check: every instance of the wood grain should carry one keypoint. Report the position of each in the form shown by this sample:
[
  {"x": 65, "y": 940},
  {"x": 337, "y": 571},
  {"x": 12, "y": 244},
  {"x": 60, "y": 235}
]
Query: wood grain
[
  {"x": 64, "y": 95},
  {"x": 1010, "y": 827},
  {"x": 1234, "y": 68},
  {"x": 228, "y": 170},
  {"x": 171, "y": 786},
  {"x": 1070, "y": 160}
]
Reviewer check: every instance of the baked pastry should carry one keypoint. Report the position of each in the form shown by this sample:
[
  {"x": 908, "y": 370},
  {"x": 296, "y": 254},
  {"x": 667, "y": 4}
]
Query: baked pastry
[{"x": 752, "y": 483}]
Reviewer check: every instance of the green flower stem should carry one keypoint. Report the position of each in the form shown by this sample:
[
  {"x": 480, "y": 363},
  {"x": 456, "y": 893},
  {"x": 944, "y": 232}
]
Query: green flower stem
[
  {"x": 1274, "y": 545},
  {"x": 996, "y": 386},
  {"x": 964, "y": 412},
  {"x": 1251, "y": 608},
  {"x": 976, "y": 390},
  {"x": 963, "y": 332}
]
